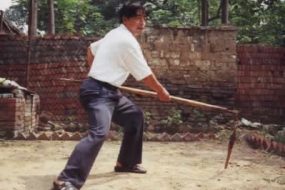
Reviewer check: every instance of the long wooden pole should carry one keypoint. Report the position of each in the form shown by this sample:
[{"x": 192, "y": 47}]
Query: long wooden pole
[{"x": 183, "y": 101}]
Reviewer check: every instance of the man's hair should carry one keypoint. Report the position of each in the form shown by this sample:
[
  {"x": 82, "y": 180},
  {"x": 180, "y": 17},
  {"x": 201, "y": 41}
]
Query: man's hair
[{"x": 129, "y": 10}]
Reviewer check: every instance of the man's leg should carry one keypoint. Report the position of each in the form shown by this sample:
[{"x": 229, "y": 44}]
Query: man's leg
[
  {"x": 83, "y": 156},
  {"x": 130, "y": 117}
]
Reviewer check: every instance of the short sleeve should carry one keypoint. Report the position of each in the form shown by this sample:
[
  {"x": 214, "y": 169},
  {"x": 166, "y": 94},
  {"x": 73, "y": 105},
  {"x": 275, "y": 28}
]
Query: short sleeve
[
  {"x": 135, "y": 62},
  {"x": 94, "y": 46}
]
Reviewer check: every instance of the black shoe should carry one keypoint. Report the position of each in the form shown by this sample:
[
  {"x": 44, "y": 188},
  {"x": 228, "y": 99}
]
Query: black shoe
[
  {"x": 63, "y": 186},
  {"x": 135, "y": 169}
]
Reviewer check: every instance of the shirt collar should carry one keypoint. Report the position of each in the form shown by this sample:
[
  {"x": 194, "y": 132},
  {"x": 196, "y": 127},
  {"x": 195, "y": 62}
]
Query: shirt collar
[{"x": 122, "y": 26}]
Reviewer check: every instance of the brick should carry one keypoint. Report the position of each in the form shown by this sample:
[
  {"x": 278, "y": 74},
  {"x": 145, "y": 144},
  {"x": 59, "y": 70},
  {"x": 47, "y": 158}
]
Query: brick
[
  {"x": 32, "y": 136},
  {"x": 176, "y": 137},
  {"x": 43, "y": 136},
  {"x": 65, "y": 136},
  {"x": 55, "y": 136},
  {"x": 189, "y": 137},
  {"x": 187, "y": 49},
  {"x": 75, "y": 137}
]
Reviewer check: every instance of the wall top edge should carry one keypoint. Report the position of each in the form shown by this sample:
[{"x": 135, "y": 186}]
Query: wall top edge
[
  {"x": 47, "y": 37},
  {"x": 257, "y": 47},
  {"x": 222, "y": 27},
  {"x": 75, "y": 37}
]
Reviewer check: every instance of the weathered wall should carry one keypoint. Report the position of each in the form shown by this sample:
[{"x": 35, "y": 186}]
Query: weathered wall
[
  {"x": 13, "y": 58},
  {"x": 193, "y": 63},
  {"x": 261, "y": 82},
  {"x": 18, "y": 113},
  {"x": 12, "y": 115},
  {"x": 42, "y": 61}
]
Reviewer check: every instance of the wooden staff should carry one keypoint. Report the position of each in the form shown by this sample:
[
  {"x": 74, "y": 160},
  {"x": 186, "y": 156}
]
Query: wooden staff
[
  {"x": 183, "y": 101},
  {"x": 197, "y": 104}
]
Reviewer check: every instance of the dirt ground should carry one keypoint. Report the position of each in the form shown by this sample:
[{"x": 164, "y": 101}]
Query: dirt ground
[{"x": 32, "y": 165}]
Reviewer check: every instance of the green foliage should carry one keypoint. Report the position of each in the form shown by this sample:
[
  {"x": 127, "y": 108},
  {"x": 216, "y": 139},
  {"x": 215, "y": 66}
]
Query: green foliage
[
  {"x": 198, "y": 114},
  {"x": 172, "y": 122},
  {"x": 258, "y": 21},
  {"x": 279, "y": 139},
  {"x": 147, "y": 117},
  {"x": 18, "y": 14},
  {"x": 280, "y": 136},
  {"x": 78, "y": 17},
  {"x": 71, "y": 17},
  {"x": 174, "y": 13},
  {"x": 173, "y": 119},
  {"x": 261, "y": 21}
]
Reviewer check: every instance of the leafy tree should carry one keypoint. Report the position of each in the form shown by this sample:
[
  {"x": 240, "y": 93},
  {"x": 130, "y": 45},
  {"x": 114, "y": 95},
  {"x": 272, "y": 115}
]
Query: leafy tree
[
  {"x": 174, "y": 13},
  {"x": 18, "y": 14},
  {"x": 258, "y": 21},
  {"x": 76, "y": 17},
  {"x": 71, "y": 16}
]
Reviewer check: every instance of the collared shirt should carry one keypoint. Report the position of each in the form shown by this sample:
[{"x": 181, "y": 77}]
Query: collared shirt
[{"x": 117, "y": 55}]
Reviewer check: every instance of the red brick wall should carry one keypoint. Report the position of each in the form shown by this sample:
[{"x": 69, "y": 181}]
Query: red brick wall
[
  {"x": 12, "y": 114},
  {"x": 47, "y": 60},
  {"x": 183, "y": 68},
  {"x": 261, "y": 82},
  {"x": 191, "y": 63},
  {"x": 13, "y": 58}
]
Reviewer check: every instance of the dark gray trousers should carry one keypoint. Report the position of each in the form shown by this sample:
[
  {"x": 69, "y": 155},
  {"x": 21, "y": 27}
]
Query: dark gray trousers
[{"x": 104, "y": 104}]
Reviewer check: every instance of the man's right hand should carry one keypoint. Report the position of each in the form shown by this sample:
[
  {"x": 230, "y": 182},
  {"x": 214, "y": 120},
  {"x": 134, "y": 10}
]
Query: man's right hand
[
  {"x": 163, "y": 95},
  {"x": 155, "y": 85}
]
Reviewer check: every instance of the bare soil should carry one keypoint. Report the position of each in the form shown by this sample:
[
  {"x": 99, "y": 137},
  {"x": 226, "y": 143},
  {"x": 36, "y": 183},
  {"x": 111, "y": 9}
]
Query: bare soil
[{"x": 32, "y": 165}]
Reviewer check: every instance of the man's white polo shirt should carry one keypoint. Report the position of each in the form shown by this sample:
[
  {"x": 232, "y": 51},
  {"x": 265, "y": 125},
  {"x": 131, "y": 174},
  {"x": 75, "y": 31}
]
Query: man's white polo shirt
[{"x": 117, "y": 55}]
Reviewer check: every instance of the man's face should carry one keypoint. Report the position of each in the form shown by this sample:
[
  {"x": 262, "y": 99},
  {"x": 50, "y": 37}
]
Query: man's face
[{"x": 135, "y": 24}]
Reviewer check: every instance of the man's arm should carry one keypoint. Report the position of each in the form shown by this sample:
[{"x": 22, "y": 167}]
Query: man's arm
[
  {"x": 89, "y": 57},
  {"x": 151, "y": 82},
  {"x": 92, "y": 52}
]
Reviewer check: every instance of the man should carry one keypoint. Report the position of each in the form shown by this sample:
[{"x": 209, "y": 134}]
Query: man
[{"x": 112, "y": 59}]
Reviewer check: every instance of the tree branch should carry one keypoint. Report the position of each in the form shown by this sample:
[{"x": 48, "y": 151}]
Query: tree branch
[{"x": 218, "y": 14}]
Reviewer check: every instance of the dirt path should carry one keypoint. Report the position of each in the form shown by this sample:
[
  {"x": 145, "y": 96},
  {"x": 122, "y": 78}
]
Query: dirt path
[{"x": 171, "y": 166}]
